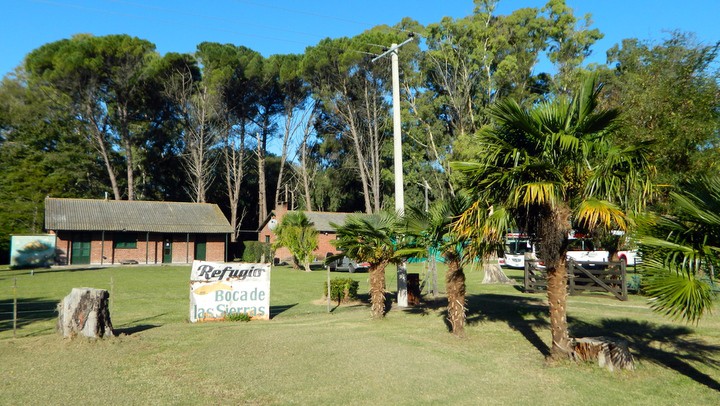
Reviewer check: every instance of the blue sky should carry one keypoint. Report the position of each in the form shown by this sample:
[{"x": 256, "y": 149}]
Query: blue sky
[{"x": 287, "y": 26}]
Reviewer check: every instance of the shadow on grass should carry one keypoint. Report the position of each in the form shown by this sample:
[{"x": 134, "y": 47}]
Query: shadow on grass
[
  {"x": 275, "y": 310},
  {"x": 29, "y": 310},
  {"x": 134, "y": 329},
  {"x": 522, "y": 314},
  {"x": 662, "y": 344}
]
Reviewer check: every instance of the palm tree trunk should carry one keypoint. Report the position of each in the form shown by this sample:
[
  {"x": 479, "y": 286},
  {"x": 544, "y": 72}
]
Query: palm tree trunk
[
  {"x": 557, "y": 300},
  {"x": 455, "y": 286},
  {"x": 377, "y": 290},
  {"x": 554, "y": 229}
]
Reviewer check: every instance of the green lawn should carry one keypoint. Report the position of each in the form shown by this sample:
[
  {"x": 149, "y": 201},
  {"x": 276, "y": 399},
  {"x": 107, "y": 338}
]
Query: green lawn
[{"x": 304, "y": 355}]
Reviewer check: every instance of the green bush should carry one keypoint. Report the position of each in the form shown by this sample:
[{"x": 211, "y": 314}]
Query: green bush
[
  {"x": 237, "y": 317},
  {"x": 254, "y": 251},
  {"x": 634, "y": 283},
  {"x": 342, "y": 289}
]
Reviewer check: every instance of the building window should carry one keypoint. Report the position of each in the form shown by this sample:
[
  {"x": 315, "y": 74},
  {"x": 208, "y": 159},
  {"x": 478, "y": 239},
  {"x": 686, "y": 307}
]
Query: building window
[
  {"x": 125, "y": 240},
  {"x": 267, "y": 239}
]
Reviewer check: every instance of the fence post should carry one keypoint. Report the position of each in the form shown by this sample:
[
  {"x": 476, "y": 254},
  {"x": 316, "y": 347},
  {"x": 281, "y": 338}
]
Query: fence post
[
  {"x": 527, "y": 278},
  {"x": 570, "y": 271},
  {"x": 14, "y": 306},
  {"x": 623, "y": 278}
]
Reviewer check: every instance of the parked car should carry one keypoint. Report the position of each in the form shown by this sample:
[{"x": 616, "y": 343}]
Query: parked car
[
  {"x": 583, "y": 250},
  {"x": 348, "y": 264},
  {"x": 631, "y": 257}
]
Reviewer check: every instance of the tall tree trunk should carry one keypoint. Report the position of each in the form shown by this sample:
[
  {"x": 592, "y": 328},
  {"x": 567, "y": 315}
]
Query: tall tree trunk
[
  {"x": 262, "y": 191},
  {"x": 377, "y": 290},
  {"x": 348, "y": 114},
  {"x": 129, "y": 167},
  {"x": 283, "y": 156},
  {"x": 553, "y": 231},
  {"x": 97, "y": 136},
  {"x": 234, "y": 153},
  {"x": 303, "y": 169},
  {"x": 124, "y": 130},
  {"x": 557, "y": 301},
  {"x": 305, "y": 176},
  {"x": 455, "y": 287}
]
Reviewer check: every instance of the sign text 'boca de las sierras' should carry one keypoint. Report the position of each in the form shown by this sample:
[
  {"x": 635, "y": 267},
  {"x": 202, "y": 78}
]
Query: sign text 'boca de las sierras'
[{"x": 220, "y": 289}]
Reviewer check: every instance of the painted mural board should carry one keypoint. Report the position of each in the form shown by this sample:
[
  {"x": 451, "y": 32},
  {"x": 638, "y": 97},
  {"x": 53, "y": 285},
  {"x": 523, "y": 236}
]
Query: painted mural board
[
  {"x": 27, "y": 251},
  {"x": 218, "y": 289}
]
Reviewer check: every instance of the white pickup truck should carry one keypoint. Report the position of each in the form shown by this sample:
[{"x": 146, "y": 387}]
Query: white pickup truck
[{"x": 583, "y": 250}]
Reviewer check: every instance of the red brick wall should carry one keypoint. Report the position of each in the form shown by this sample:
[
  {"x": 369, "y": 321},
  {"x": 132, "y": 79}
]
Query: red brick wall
[
  {"x": 215, "y": 248},
  {"x": 149, "y": 249},
  {"x": 324, "y": 245}
]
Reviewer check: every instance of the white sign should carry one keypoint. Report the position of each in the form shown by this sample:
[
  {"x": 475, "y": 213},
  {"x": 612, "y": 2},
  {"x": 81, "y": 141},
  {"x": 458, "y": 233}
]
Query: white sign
[{"x": 220, "y": 289}]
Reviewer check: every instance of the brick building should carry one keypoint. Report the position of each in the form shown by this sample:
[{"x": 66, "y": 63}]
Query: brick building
[
  {"x": 119, "y": 231},
  {"x": 320, "y": 219}
]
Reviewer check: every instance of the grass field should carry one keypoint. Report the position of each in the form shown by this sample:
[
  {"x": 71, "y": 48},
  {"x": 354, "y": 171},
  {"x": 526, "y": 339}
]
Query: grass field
[{"x": 305, "y": 355}]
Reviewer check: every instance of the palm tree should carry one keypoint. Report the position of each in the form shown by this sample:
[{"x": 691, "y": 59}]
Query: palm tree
[
  {"x": 431, "y": 232},
  {"x": 370, "y": 238},
  {"x": 299, "y": 235},
  {"x": 681, "y": 252},
  {"x": 552, "y": 167}
]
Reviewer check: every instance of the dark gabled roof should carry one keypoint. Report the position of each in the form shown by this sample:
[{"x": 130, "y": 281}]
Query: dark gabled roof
[
  {"x": 322, "y": 219},
  {"x": 124, "y": 215}
]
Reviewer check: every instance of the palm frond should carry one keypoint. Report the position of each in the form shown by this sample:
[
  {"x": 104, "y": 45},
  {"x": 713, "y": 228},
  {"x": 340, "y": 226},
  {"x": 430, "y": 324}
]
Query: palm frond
[
  {"x": 540, "y": 193},
  {"x": 678, "y": 295},
  {"x": 595, "y": 213}
]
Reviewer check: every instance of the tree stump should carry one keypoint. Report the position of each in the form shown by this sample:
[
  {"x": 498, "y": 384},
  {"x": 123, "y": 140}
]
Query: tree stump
[
  {"x": 85, "y": 312},
  {"x": 609, "y": 353},
  {"x": 493, "y": 272}
]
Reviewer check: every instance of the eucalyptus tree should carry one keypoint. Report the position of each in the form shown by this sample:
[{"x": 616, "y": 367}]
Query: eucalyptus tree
[
  {"x": 353, "y": 94},
  {"x": 105, "y": 78},
  {"x": 197, "y": 107},
  {"x": 295, "y": 94},
  {"x": 432, "y": 232},
  {"x": 570, "y": 42},
  {"x": 669, "y": 91},
  {"x": 228, "y": 70},
  {"x": 475, "y": 60},
  {"x": 470, "y": 63},
  {"x": 552, "y": 168},
  {"x": 681, "y": 260},
  {"x": 372, "y": 238}
]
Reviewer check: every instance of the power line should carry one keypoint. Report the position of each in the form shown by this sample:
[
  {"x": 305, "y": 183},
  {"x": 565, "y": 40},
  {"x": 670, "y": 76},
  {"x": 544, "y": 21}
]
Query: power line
[
  {"x": 205, "y": 17},
  {"x": 310, "y": 13},
  {"x": 167, "y": 21}
]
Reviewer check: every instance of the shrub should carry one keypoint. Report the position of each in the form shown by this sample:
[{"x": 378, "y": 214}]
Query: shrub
[
  {"x": 634, "y": 283},
  {"x": 237, "y": 317},
  {"x": 342, "y": 289},
  {"x": 254, "y": 251}
]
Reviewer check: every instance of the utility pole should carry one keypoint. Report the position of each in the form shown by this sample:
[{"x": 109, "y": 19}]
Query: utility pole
[{"x": 402, "y": 298}]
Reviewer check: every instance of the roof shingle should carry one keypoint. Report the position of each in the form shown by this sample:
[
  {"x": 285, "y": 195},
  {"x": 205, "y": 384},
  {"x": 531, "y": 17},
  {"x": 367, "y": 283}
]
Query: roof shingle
[{"x": 123, "y": 215}]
